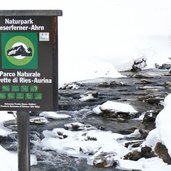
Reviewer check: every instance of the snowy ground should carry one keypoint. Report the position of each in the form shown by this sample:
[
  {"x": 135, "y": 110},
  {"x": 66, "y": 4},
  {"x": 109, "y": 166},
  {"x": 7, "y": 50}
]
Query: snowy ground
[{"x": 6, "y": 156}]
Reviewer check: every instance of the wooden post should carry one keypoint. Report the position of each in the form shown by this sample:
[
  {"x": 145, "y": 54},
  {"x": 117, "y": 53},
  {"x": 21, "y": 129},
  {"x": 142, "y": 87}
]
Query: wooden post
[{"x": 23, "y": 141}]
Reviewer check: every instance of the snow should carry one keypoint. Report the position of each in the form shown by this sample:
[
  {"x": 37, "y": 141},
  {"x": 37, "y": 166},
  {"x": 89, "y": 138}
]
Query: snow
[
  {"x": 4, "y": 116},
  {"x": 114, "y": 107},
  {"x": 152, "y": 164},
  {"x": 89, "y": 70},
  {"x": 9, "y": 160},
  {"x": 54, "y": 115},
  {"x": 82, "y": 143},
  {"x": 86, "y": 97},
  {"x": 162, "y": 131}
]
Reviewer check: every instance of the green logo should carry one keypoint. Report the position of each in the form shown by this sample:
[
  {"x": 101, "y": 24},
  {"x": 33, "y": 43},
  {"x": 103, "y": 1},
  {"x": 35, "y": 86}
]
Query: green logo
[{"x": 19, "y": 50}]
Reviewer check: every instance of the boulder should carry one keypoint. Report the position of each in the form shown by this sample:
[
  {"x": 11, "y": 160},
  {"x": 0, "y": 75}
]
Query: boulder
[
  {"x": 105, "y": 160},
  {"x": 134, "y": 155},
  {"x": 138, "y": 65},
  {"x": 162, "y": 151},
  {"x": 150, "y": 116},
  {"x": 146, "y": 152},
  {"x": 165, "y": 66}
]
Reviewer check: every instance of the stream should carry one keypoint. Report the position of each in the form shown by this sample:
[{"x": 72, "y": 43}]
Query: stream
[{"x": 143, "y": 90}]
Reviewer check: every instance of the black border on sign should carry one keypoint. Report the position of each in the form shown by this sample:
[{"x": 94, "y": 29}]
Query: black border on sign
[{"x": 30, "y": 12}]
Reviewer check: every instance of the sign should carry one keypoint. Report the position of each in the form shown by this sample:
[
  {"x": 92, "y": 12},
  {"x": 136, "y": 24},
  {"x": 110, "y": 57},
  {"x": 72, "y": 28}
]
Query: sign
[{"x": 28, "y": 65}]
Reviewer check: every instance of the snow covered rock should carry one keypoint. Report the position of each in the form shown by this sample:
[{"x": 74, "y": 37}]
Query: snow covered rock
[
  {"x": 139, "y": 64},
  {"x": 90, "y": 95},
  {"x": 73, "y": 86},
  {"x": 38, "y": 120},
  {"x": 98, "y": 147},
  {"x": 115, "y": 109},
  {"x": 54, "y": 115},
  {"x": 76, "y": 126}
]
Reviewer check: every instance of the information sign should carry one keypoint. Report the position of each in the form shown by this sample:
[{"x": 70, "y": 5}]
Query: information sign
[{"x": 29, "y": 60}]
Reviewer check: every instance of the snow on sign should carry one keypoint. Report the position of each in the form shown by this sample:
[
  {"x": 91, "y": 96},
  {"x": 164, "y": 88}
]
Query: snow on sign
[{"x": 28, "y": 64}]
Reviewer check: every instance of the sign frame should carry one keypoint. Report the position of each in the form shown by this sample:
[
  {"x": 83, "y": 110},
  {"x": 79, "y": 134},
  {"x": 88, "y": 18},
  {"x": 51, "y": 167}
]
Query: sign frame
[{"x": 46, "y": 97}]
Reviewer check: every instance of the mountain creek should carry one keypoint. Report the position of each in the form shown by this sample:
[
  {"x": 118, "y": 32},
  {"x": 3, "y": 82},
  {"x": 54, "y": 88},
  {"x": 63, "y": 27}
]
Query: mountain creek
[{"x": 144, "y": 90}]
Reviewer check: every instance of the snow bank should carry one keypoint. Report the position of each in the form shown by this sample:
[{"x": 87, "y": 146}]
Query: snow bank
[
  {"x": 151, "y": 164},
  {"x": 163, "y": 127},
  {"x": 9, "y": 160},
  {"x": 4, "y": 116},
  {"x": 84, "y": 71},
  {"x": 114, "y": 107}
]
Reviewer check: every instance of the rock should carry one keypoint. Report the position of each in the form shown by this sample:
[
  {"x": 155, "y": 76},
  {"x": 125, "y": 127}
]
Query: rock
[
  {"x": 147, "y": 152},
  {"x": 89, "y": 96},
  {"x": 113, "y": 109},
  {"x": 38, "y": 120},
  {"x": 150, "y": 116},
  {"x": 111, "y": 84},
  {"x": 134, "y": 155},
  {"x": 137, "y": 134},
  {"x": 4, "y": 139},
  {"x": 12, "y": 146},
  {"x": 104, "y": 85},
  {"x": 139, "y": 64},
  {"x": 141, "y": 75},
  {"x": 162, "y": 152},
  {"x": 157, "y": 66},
  {"x": 76, "y": 126},
  {"x": 168, "y": 83},
  {"x": 73, "y": 86},
  {"x": 165, "y": 66},
  {"x": 133, "y": 144},
  {"x": 153, "y": 100},
  {"x": 105, "y": 160},
  {"x": 145, "y": 81}
]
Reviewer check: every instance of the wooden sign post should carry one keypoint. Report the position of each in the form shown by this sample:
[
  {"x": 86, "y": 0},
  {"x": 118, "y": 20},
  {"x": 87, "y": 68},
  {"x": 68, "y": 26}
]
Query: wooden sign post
[{"x": 28, "y": 68}]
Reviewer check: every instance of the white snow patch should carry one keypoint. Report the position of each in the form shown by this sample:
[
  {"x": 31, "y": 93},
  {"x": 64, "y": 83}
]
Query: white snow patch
[
  {"x": 9, "y": 160},
  {"x": 54, "y": 115},
  {"x": 152, "y": 164},
  {"x": 5, "y": 116},
  {"x": 86, "y": 97}
]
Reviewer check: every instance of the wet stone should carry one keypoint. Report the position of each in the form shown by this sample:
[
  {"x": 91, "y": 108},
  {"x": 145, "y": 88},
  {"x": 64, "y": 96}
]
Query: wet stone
[{"x": 150, "y": 116}]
